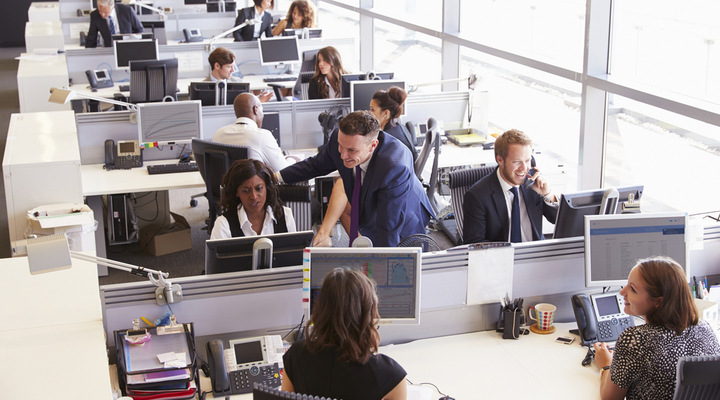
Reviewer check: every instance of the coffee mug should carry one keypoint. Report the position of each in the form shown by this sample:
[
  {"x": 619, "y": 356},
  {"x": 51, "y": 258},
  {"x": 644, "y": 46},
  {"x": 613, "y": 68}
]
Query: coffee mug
[{"x": 545, "y": 313}]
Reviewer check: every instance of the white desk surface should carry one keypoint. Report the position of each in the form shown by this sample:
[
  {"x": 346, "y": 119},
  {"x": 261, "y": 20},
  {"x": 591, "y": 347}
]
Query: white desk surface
[
  {"x": 483, "y": 365},
  {"x": 97, "y": 181}
]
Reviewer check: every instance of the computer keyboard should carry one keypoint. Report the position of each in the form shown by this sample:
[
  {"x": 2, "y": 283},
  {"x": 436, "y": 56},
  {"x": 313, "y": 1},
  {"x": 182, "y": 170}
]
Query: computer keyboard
[
  {"x": 279, "y": 79},
  {"x": 124, "y": 88},
  {"x": 171, "y": 168}
]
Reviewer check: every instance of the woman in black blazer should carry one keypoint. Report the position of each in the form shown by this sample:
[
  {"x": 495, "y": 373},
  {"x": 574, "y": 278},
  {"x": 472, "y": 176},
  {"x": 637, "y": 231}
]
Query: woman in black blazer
[{"x": 259, "y": 11}]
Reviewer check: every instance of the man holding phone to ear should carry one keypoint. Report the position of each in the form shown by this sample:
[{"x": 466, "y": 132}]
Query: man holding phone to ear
[
  {"x": 502, "y": 207},
  {"x": 222, "y": 66}
]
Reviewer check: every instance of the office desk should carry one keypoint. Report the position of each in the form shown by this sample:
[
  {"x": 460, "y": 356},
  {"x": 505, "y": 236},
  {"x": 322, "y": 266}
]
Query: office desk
[
  {"x": 483, "y": 365},
  {"x": 96, "y": 181}
]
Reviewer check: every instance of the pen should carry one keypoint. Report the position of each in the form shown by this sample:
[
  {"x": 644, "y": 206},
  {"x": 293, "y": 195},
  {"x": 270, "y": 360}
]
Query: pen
[{"x": 147, "y": 322}]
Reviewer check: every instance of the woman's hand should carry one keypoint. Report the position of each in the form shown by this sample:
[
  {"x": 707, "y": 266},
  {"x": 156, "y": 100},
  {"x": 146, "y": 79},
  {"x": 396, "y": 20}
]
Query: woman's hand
[
  {"x": 603, "y": 355},
  {"x": 322, "y": 239}
]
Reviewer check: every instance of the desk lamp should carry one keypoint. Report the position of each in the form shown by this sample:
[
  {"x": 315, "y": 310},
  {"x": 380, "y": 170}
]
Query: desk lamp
[
  {"x": 62, "y": 96},
  {"x": 211, "y": 46},
  {"x": 471, "y": 80},
  {"x": 141, "y": 4},
  {"x": 52, "y": 253}
]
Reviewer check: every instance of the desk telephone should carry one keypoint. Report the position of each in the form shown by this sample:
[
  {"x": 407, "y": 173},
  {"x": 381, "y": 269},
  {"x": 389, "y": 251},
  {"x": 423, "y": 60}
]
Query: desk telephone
[
  {"x": 247, "y": 361},
  {"x": 99, "y": 78},
  {"x": 600, "y": 317},
  {"x": 127, "y": 154}
]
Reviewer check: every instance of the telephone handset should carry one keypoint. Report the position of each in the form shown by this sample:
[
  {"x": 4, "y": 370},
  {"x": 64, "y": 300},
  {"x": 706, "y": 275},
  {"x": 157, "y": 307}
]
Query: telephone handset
[
  {"x": 600, "y": 317},
  {"x": 247, "y": 361},
  {"x": 529, "y": 182},
  {"x": 127, "y": 154},
  {"x": 99, "y": 78}
]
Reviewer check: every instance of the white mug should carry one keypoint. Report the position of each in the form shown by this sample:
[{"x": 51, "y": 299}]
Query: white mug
[{"x": 545, "y": 313}]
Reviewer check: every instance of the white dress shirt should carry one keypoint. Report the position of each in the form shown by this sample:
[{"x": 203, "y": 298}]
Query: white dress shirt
[
  {"x": 525, "y": 224},
  {"x": 221, "y": 229},
  {"x": 262, "y": 145},
  {"x": 257, "y": 27}
]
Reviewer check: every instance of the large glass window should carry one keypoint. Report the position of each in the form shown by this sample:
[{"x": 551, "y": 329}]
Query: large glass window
[
  {"x": 669, "y": 44},
  {"x": 672, "y": 155},
  {"x": 427, "y": 13},
  {"x": 545, "y": 107},
  {"x": 413, "y": 56},
  {"x": 552, "y": 31},
  {"x": 337, "y": 22}
]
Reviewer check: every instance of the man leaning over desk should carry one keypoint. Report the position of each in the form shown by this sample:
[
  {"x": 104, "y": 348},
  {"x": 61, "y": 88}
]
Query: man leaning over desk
[
  {"x": 110, "y": 19},
  {"x": 498, "y": 208}
]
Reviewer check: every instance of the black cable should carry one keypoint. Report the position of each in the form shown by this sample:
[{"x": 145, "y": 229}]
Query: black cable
[{"x": 588, "y": 357}]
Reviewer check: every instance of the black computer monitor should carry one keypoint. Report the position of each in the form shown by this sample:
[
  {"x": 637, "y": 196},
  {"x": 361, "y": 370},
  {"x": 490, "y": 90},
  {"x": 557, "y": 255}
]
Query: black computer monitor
[
  {"x": 132, "y": 50},
  {"x": 313, "y": 33},
  {"x": 236, "y": 254},
  {"x": 169, "y": 123},
  {"x": 347, "y": 78},
  {"x": 132, "y": 36},
  {"x": 614, "y": 243},
  {"x": 395, "y": 270},
  {"x": 279, "y": 50},
  {"x": 157, "y": 28},
  {"x": 361, "y": 93},
  {"x": 153, "y": 80},
  {"x": 573, "y": 208},
  {"x": 271, "y": 122},
  {"x": 207, "y": 94},
  {"x": 195, "y": 1}
]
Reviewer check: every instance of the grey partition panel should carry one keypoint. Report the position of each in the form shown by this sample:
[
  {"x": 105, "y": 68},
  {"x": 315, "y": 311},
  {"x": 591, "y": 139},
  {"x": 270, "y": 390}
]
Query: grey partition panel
[{"x": 449, "y": 107}]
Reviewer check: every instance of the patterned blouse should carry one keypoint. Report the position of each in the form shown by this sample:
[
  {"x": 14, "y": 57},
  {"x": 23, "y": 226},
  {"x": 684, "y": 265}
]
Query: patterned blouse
[{"x": 646, "y": 356}]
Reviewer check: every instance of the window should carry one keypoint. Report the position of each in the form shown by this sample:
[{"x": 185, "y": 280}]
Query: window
[
  {"x": 337, "y": 22},
  {"x": 425, "y": 13},
  {"x": 413, "y": 56}
]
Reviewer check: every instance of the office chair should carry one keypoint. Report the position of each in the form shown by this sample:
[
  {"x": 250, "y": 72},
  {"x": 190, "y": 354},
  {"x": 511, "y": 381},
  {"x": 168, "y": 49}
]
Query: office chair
[
  {"x": 213, "y": 160},
  {"x": 297, "y": 197},
  {"x": 153, "y": 80},
  {"x": 307, "y": 70},
  {"x": 422, "y": 240},
  {"x": 460, "y": 181},
  {"x": 263, "y": 392},
  {"x": 432, "y": 185},
  {"x": 430, "y": 136},
  {"x": 698, "y": 378}
]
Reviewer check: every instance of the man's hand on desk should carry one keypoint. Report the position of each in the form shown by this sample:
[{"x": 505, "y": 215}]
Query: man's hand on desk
[{"x": 265, "y": 96}]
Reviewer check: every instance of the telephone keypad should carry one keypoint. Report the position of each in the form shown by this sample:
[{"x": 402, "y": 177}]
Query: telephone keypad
[{"x": 242, "y": 380}]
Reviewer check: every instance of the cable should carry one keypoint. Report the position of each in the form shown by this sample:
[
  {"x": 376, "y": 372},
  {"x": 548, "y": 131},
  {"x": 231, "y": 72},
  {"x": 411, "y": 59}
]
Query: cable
[{"x": 428, "y": 383}]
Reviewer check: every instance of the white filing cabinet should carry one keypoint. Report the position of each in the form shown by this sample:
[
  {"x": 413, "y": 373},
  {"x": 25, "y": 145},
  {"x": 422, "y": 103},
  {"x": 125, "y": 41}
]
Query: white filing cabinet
[
  {"x": 41, "y": 165},
  {"x": 34, "y": 80},
  {"x": 44, "y": 35},
  {"x": 44, "y": 11}
]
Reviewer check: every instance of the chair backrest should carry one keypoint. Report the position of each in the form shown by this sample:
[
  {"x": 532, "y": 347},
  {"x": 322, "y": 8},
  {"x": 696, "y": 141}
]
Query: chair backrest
[
  {"x": 263, "y": 392},
  {"x": 297, "y": 197},
  {"x": 427, "y": 243},
  {"x": 213, "y": 160},
  {"x": 153, "y": 80},
  {"x": 460, "y": 181},
  {"x": 432, "y": 185},
  {"x": 424, "y": 153},
  {"x": 307, "y": 70},
  {"x": 698, "y": 378}
]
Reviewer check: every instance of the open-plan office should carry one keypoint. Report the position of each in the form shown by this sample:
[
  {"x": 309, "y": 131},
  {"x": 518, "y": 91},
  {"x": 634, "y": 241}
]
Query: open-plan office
[{"x": 66, "y": 318}]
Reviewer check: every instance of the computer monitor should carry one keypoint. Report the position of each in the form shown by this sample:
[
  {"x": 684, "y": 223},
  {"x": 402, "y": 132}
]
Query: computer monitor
[
  {"x": 195, "y": 1},
  {"x": 169, "y": 123},
  {"x": 361, "y": 93},
  {"x": 313, "y": 33},
  {"x": 157, "y": 29},
  {"x": 132, "y": 36},
  {"x": 132, "y": 50},
  {"x": 153, "y": 80},
  {"x": 207, "y": 94},
  {"x": 271, "y": 122},
  {"x": 573, "y": 207},
  {"x": 395, "y": 270},
  {"x": 236, "y": 254},
  {"x": 615, "y": 242},
  {"x": 347, "y": 78},
  {"x": 279, "y": 50}
]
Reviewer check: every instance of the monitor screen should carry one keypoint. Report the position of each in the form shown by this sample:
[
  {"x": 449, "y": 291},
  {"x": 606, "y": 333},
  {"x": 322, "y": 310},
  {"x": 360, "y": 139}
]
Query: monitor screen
[
  {"x": 573, "y": 207},
  {"x": 615, "y": 242},
  {"x": 279, "y": 50},
  {"x": 361, "y": 93},
  {"x": 395, "y": 270},
  {"x": 347, "y": 78},
  {"x": 205, "y": 92},
  {"x": 313, "y": 33},
  {"x": 236, "y": 254},
  {"x": 195, "y": 1},
  {"x": 134, "y": 50},
  {"x": 169, "y": 123}
]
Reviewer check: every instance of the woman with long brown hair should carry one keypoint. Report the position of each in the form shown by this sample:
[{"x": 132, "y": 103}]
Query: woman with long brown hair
[{"x": 325, "y": 84}]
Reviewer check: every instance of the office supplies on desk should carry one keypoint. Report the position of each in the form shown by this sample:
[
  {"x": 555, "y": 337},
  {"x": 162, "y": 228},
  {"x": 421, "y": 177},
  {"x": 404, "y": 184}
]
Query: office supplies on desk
[
  {"x": 466, "y": 137},
  {"x": 512, "y": 318},
  {"x": 192, "y": 35},
  {"x": 171, "y": 168},
  {"x": 127, "y": 154},
  {"x": 545, "y": 314},
  {"x": 99, "y": 78},
  {"x": 279, "y": 79}
]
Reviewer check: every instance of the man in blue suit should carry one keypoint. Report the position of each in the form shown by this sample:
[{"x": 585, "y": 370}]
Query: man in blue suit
[
  {"x": 124, "y": 20},
  {"x": 488, "y": 203},
  {"x": 392, "y": 203}
]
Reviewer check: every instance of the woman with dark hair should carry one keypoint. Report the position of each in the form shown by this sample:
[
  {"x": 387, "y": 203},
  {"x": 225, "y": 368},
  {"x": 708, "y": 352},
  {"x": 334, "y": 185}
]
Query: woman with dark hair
[
  {"x": 387, "y": 106},
  {"x": 301, "y": 14},
  {"x": 260, "y": 12},
  {"x": 325, "y": 84},
  {"x": 338, "y": 358},
  {"x": 250, "y": 205},
  {"x": 643, "y": 364}
]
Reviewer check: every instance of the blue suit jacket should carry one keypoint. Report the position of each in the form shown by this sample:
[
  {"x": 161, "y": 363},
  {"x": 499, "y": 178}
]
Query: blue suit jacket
[
  {"x": 127, "y": 19},
  {"x": 486, "y": 214},
  {"x": 245, "y": 34},
  {"x": 393, "y": 204}
]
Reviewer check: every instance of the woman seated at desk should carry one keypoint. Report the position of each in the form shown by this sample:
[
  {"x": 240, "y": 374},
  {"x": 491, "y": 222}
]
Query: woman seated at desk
[
  {"x": 338, "y": 357},
  {"x": 643, "y": 364},
  {"x": 325, "y": 84},
  {"x": 301, "y": 14},
  {"x": 250, "y": 205},
  {"x": 259, "y": 12}
]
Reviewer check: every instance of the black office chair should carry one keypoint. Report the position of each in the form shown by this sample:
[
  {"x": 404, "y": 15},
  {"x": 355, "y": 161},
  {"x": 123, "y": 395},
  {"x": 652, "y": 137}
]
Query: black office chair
[
  {"x": 422, "y": 240},
  {"x": 698, "y": 378},
  {"x": 298, "y": 198},
  {"x": 213, "y": 160},
  {"x": 307, "y": 70},
  {"x": 263, "y": 392},
  {"x": 432, "y": 185},
  {"x": 459, "y": 182},
  {"x": 153, "y": 80},
  {"x": 430, "y": 136}
]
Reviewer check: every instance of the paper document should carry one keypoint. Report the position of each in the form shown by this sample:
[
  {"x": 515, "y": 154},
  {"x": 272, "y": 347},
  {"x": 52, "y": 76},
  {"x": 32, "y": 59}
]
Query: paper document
[{"x": 490, "y": 274}]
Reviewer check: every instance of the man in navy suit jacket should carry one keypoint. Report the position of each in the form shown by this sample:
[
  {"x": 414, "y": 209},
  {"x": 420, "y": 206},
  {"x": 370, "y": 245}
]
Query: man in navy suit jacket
[
  {"x": 126, "y": 22},
  {"x": 487, "y": 203},
  {"x": 246, "y": 33},
  {"x": 393, "y": 204}
]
